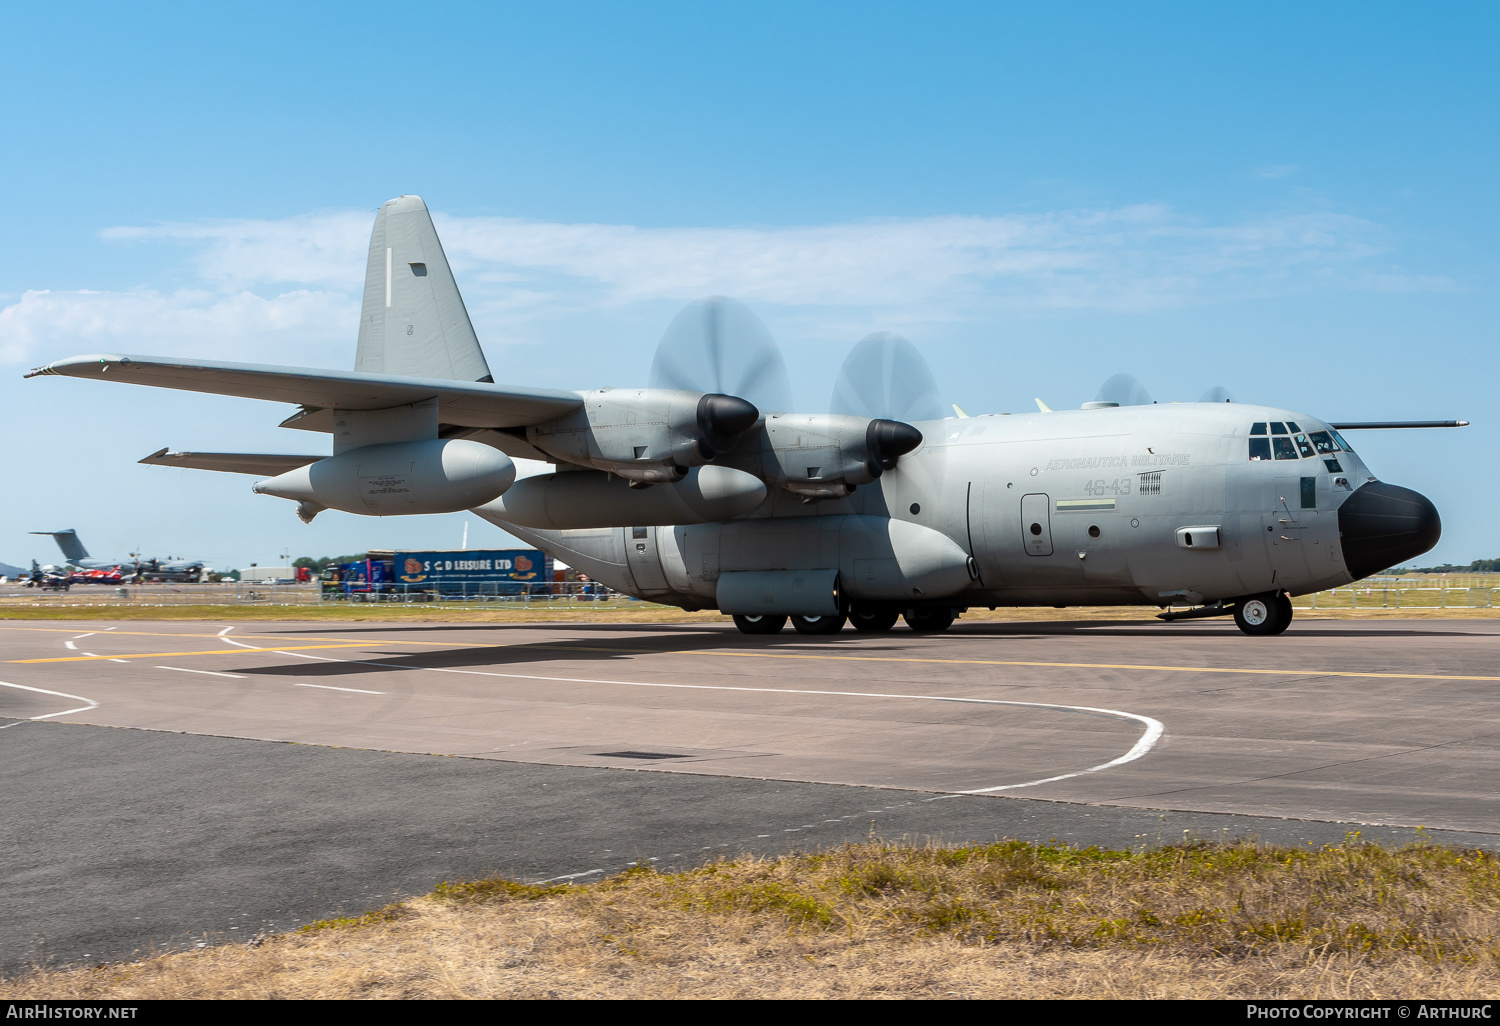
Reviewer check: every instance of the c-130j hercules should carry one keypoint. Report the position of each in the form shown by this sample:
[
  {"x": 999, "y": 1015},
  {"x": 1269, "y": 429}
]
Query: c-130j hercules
[{"x": 691, "y": 494}]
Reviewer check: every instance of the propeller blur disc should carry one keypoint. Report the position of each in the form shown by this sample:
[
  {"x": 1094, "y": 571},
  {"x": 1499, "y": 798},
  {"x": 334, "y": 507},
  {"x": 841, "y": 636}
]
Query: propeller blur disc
[
  {"x": 885, "y": 377},
  {"x": 1125, "y": 389},
  {"x": 719, "y": 345},
  {"x": 1217, "y": 394}
]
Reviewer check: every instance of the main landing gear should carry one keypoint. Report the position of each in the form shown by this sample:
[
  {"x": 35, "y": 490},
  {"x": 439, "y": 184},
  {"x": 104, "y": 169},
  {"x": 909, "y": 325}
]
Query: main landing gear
[
  {"x": 866, "y": 620},
  {"x": 1266, "y": 614}
]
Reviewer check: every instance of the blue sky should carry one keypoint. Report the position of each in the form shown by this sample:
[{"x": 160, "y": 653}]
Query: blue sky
[{"x": 1298, "y": 202}]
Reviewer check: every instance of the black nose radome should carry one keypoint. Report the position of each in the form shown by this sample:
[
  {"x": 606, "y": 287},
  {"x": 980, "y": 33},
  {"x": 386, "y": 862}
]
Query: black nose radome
[{"x": 1383, "y": 525}]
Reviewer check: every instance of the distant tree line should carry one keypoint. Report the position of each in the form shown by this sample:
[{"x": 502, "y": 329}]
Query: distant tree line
[
  {"x": 317, "y": 566},
  {"x": 1479, "y": 566}
]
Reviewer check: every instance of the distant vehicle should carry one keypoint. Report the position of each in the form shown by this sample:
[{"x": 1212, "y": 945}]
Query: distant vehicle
[
  {"x": 132, "y": 568},
  {"x": 48, "y": 578}
]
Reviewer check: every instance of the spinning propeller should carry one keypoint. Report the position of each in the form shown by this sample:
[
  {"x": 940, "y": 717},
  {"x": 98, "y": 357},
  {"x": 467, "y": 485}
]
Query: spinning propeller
[
  {"x": 718, "y": 345},
  {"x": 886, "y": 378}
]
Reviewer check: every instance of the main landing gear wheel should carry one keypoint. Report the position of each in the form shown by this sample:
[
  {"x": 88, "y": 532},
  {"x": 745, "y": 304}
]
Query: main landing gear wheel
[
  {"x": 1263, "y": 615},
  {"x": 928, "y": 621},
  {"x": 1284, "y": 603},
  {"x": 873, "y": 622},
  {"x": 760, "y": 624},
  {"x": 818, "y": 624}
]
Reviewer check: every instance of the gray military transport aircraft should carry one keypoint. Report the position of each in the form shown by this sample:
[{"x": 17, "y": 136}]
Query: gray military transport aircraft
[
  {"x": 704, "y": 491},
  {"x": 169, "y": 569}
]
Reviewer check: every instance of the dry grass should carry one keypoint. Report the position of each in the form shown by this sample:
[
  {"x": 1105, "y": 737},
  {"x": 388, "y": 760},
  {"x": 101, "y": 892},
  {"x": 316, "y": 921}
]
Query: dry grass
[{"x": 1195, "y": 920}]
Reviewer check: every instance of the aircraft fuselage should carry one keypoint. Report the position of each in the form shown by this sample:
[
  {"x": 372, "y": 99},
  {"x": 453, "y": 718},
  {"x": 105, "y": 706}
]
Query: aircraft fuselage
[{"x": 1173, "y": 504}]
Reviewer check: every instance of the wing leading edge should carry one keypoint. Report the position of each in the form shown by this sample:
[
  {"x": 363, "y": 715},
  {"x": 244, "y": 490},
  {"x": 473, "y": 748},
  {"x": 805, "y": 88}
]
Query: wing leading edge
[{"x": 466, "y": 403}]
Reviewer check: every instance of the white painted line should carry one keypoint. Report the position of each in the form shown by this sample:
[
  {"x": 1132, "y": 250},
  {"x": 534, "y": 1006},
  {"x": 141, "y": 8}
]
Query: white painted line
[
  {"x": 43, "y": 691},
  {"x": 225, "y": 631},
  {"x": 1153, "y": 733},
  {"x": 90, "y": 634},
  {"x": 70, "y": 645},
  {"x": 241, "y": 644},
  {"x": 211, "y": 673},
  {"x": 330, "y": 687},
  {"x": 569, "y": 876},
  {"x": 112, "y": 660}
]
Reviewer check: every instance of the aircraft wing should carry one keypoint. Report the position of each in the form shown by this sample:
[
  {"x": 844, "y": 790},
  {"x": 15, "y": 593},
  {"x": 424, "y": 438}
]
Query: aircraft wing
[
  {"x": 468, "y": 403},
  {"x": 267, "y": 464}
]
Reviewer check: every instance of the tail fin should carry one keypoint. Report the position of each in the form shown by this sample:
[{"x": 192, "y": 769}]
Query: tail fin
[
  {"x": 413, "y": 322},
  {"x": 72, "y": 548}
]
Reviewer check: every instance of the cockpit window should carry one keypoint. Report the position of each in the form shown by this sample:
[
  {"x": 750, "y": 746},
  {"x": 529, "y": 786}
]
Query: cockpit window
[
  {"x": 1284, "y": 448},
  {"x": 1260, "y": 449},
  {"x": 1342, "y": 444},
  {"x": 1258, "y": 428},
  {"x": 1292, "y": 427},
  {"x": 1323, "y": 442},
  {"x": 1304, "y": 446},
  {"x": 1278, "y": 428}
]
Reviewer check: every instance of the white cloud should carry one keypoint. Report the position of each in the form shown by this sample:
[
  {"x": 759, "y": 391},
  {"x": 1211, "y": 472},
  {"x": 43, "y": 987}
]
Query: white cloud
[
  {"x": 294, "y": 326},
  {"x": 901, "y": 271}
]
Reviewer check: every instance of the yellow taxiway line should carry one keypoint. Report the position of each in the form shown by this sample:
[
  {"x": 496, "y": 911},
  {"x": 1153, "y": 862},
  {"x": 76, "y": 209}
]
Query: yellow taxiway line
[
  {"x": 166, "y": 655},
  {"x": 373, "y": 642}
]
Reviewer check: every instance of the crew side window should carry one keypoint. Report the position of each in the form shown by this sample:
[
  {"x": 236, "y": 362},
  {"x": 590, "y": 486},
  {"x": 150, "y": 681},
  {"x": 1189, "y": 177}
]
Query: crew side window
[
  {"x": 1284, "y": 448},
  {"x": 1323, "y": 442},
  {"x": 1260, "y": 449}
]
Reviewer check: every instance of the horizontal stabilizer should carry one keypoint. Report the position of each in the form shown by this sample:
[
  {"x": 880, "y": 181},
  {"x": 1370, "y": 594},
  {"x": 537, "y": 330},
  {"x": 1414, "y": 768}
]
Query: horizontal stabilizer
[
  {"x": 471, "y": 404},
  {"x": 261, "y": 464}
]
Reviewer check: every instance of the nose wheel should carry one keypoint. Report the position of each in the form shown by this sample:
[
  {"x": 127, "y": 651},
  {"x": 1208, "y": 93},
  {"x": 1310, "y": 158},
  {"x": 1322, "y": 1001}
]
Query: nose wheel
[{"x": 1267, "y": 614}]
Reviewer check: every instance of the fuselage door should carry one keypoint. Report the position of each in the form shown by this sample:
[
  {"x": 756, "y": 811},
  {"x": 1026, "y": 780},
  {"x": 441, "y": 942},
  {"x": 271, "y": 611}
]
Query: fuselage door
[
  {"x": 642, "y": 558},
  {"x": 1036, "y": 524}
]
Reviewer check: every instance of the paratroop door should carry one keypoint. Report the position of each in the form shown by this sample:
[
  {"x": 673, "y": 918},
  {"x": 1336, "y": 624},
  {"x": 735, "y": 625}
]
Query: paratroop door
[{"x": 1036, "y": 524}]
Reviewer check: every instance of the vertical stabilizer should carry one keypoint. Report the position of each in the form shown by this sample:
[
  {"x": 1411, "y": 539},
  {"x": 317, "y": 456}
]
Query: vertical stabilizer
[
  {"x": 72, "y": 548},
  {"x": 413, "y": 322}
]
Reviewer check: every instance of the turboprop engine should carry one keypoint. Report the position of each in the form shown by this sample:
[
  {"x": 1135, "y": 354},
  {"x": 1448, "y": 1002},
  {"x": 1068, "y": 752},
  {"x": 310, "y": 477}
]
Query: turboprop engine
[
  {"x": 827, "y": 455},
  {"x": 646, "y": 435},
  {"x": 431, "y": 476}
]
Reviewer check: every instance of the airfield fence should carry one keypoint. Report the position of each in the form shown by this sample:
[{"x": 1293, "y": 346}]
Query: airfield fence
[
  {"x": 1410, "y": 591},
  {"x": 558, "y": 596}
]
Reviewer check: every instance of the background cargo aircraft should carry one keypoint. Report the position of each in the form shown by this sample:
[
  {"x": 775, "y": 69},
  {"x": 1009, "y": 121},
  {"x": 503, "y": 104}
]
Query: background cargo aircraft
[
  {"x": 153, "y": 569},
  {"x": 704, "y": 490}
]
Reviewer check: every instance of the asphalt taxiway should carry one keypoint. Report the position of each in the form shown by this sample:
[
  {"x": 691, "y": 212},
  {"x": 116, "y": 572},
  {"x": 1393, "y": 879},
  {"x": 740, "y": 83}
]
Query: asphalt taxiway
[{"x": 582, "y": 748}]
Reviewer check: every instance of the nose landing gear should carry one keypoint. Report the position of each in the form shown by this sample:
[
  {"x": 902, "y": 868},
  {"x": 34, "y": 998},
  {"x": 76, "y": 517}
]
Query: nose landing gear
[{"x": 1267, "y": 614}]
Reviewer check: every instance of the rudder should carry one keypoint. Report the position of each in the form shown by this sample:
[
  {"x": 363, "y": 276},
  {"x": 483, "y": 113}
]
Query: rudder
[{"x": 413, "y": 322}]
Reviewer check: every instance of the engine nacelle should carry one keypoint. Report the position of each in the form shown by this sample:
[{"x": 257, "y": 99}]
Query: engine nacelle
[
  {"x": 579, "y": 499},
  {"x": 432, "y": 476},
  {"x": 827, "y": 455},
  {"x": 646, "y": 435}
]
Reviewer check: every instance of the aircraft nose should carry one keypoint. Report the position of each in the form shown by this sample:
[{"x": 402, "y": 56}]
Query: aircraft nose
[{"x": 1382, "y": 525}]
